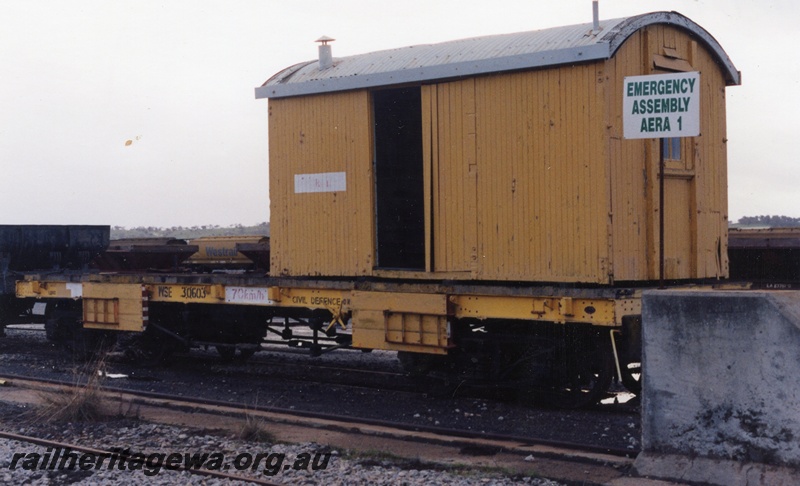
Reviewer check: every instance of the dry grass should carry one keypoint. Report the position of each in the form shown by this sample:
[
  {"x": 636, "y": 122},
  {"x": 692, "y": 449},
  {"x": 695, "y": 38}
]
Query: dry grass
[
  {"x": 254, "y": 429},
  {"x": 82, "y": 403}
]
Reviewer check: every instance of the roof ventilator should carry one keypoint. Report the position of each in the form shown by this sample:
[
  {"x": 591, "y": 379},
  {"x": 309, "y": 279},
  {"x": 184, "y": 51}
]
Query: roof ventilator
[
  {"x": 595, "y": 16},
  {"x": 325, "y": 54}
]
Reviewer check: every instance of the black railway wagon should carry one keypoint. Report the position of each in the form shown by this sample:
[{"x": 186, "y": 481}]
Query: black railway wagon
[
  {"x": 26, "y": 248},
  {"x": 765, "y": 256}
]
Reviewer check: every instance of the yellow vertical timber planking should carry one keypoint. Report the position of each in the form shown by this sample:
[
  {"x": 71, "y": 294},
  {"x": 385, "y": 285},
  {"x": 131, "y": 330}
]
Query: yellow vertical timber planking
[
  {"x": 493, "y": 164},
  {"x": 322, "y": 134},
  {"x": 486, "y": 187},
  {"x": 524, "y": 178},
  {"x": 547, "y": 172},
  {"x": 498, "y": 162},
  {"x": 526, "y": 183},
  {"x": 703, "y": 197},
  {"x": 589, "y": 203},
  {"x": 458, "y": 167},
  {"x": 502, "y": 209},
  {"x": 443, "y": 236},
  {"x": 540, "y": 122},
  {"x": 555, "y": 202},
  {"x": 679, "y": 212},
  {"x": 512, "y": 225},
  {"x": 471, "y": 189},
  {"x": 443, "y": 256},
  {"x": 483, "y": 168},
  {"x": 440, "y": 235},
  {"x": 504, "y": 181},
  {"x": 584, "y": 200},
  {"x": 518, "y": 183},
  {"x": 627, "y": 162},
  {"x": 705, "y": 183},
  {"x": 542, "y": 169},
  {"x": 435, "y": 143},
  {"x": 452, "y": 176},
  {"x": 278, "y": 135},
  {"x": 533, "y": 159},
  {"x": 711, "y": 169},
  {"x": 593, "y": 158},
  {"x": 721, "y": 172},
  {"x": 511, "y": 164},
  {"x": 570, "y": 176},
  {"x": 563, "y": 227},
  {"x": 652, "y": 172},
  {"x": 604, "y": 115}
]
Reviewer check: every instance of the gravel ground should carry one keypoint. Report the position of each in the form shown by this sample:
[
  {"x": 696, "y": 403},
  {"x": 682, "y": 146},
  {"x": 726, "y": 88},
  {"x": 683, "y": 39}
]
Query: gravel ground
[
  {"x": 154, "y": 443},
  {"x": 264, "y": 381}
]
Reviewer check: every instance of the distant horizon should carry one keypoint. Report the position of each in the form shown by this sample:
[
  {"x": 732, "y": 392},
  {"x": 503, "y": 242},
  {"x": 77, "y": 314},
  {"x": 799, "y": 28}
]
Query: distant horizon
[
  {"x": 210, "y": 226},
  {"x": 267, "y": 223}
]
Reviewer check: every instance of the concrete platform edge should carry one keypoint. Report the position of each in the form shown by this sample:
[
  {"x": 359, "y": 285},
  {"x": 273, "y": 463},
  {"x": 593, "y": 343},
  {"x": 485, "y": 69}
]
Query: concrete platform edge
[{"x": 704, "y": 470}]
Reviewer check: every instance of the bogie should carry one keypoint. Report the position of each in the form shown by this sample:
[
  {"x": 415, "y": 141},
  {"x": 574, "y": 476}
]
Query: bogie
[{"x": 560, "y": 365}]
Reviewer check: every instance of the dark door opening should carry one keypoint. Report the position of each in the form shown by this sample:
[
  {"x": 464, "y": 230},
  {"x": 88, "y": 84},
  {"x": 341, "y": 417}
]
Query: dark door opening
[{"x": 399, "y": 191}]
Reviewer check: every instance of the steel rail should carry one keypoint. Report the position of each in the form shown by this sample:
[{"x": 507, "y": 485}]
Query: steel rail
[
  {"x": 445, "y": 435},
  {"x": 394, "y": 380}
]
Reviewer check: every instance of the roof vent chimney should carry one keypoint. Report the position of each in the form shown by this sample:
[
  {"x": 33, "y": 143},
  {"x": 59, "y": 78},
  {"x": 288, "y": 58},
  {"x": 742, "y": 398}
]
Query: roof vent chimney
[
  {"x": 595, "y": 17},
  {"x": 325, "y": 54}
]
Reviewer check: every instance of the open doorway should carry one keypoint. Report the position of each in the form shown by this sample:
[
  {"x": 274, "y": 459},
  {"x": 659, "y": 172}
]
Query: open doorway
[{"x": 399, "y": 187}]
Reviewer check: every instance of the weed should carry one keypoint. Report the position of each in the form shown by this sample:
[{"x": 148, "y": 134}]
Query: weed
[
  {"x": 254, "y": 429},
  {"x": 82, "y": 403}
]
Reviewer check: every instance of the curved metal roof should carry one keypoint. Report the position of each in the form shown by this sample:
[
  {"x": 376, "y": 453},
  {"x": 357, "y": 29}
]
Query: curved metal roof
[{"x": 480, "y": 55}]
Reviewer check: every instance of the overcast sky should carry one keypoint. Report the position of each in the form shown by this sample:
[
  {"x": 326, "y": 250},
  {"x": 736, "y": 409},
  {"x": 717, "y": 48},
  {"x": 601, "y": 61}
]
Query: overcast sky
[{"x": 143, "y": 112}]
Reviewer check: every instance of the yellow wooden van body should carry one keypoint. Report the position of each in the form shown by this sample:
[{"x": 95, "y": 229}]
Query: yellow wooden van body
[{"x": 527, "y": 176}]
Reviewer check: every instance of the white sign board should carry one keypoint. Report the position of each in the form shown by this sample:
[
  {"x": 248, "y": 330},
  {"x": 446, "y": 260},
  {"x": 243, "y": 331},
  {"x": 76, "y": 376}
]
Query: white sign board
[
  {"x": 324, "y": 182},
  {"x": 661, "y": 105},
  {"x": 39, "y": 308},
  {"x": 247, "y": 295},
  {"x": 75, "y": 290}
]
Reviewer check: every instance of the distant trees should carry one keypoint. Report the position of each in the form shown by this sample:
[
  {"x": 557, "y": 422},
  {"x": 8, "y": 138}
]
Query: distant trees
[
  {"x": 769, "y": 221},
  {"x": 120, "y": 232}
]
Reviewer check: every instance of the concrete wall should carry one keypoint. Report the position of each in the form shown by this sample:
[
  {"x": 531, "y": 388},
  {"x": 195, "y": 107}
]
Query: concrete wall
[{"x": 721, "y": 399}]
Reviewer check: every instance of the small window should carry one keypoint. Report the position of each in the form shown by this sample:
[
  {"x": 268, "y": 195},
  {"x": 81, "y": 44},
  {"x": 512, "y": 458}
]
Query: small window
[{"x": 672, "y": 149}]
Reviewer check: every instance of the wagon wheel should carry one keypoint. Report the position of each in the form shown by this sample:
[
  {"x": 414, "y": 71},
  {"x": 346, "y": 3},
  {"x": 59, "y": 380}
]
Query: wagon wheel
[
  {"x": 584, "y": 384},
  {"x": 416, "y": 364},
  {"x": 82, "y": 344},
  {"x": 148, "y": 349},
  {"x": 228, "y": 352},
  {"x": 152, "y": 353},
  {"x": 565, "y": 372}
]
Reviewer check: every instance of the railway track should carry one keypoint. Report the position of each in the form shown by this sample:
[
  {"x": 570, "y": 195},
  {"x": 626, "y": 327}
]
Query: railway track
[
  {"x": 301, "y": 368},
  {"x": 561, "y": 460},
  {"x": 304, "y": 385},
  {"x": 374, "y": 374},
  {"x": 431, "y": 434}
]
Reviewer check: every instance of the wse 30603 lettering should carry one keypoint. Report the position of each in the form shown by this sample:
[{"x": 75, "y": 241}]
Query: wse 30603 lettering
[{"x": 173, "y": 293}]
